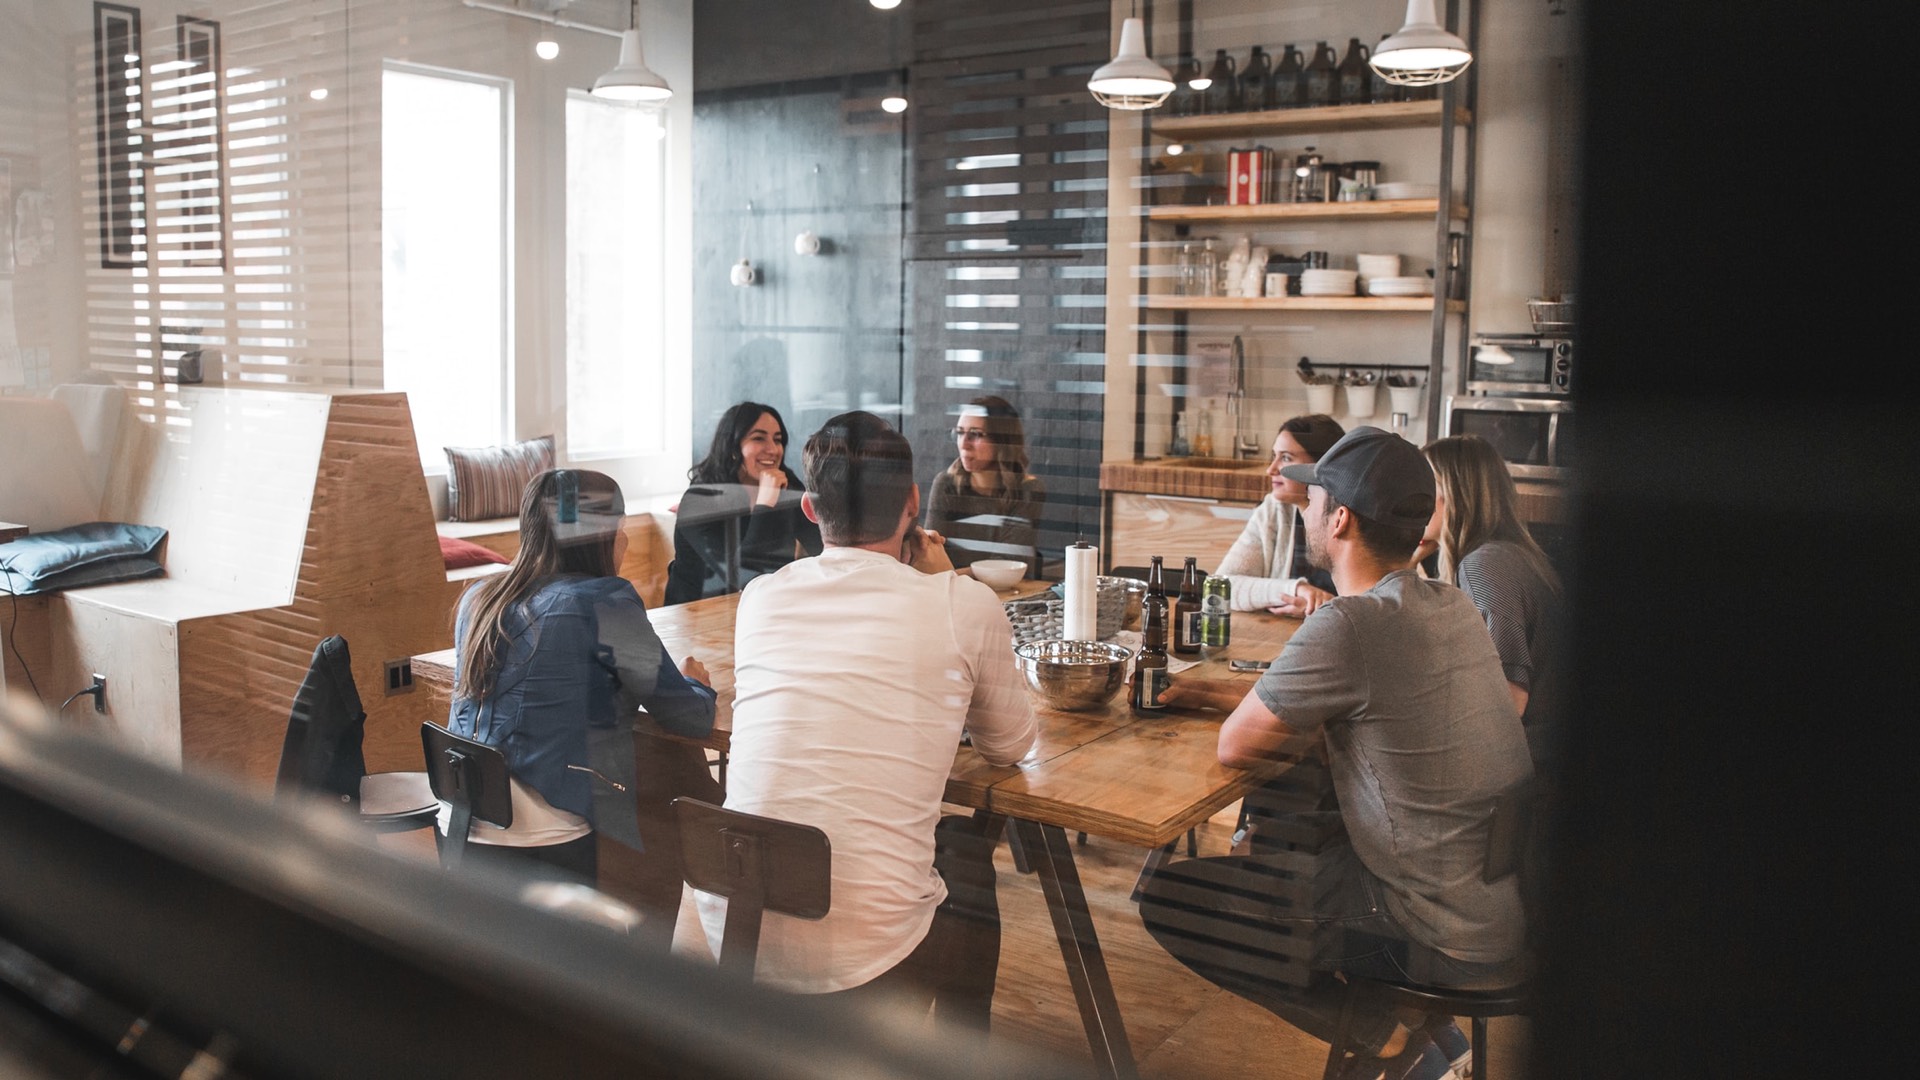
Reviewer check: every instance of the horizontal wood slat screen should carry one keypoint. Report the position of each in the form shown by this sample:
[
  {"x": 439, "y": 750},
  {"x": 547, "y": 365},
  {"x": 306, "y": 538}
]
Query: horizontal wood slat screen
[
  {"x": 1007, "y": 237},
  {"x": 254, "y": 208}
]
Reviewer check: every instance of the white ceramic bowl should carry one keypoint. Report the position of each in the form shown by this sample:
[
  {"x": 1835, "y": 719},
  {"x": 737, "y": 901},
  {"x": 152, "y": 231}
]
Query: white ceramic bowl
[{"x": 1000, "y": 573}]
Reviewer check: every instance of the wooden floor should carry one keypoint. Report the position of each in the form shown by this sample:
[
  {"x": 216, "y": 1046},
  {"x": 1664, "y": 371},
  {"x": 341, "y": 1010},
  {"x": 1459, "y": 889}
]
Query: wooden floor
[{"x": 1180, "y": 1024}]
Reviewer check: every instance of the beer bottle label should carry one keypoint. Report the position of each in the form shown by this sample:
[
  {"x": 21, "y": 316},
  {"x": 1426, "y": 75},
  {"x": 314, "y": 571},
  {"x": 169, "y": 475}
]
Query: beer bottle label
[
  {"x": 1190, "y": 630},
  {"x": 1154, "y": 687}
]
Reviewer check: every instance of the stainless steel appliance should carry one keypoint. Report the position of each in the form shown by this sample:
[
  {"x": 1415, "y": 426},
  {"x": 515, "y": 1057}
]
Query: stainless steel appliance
[
  {"x": 1531, "y": 364},
  {"x": 1537, "y": 437}
]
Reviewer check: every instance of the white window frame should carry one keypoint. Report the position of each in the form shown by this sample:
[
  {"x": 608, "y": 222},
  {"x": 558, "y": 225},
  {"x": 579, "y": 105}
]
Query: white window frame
[{"x": 435, "y": 464}]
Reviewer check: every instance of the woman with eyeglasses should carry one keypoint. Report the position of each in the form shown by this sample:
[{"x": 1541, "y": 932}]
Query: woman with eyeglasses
[
  {"x": 1267, "y": 565},
  {"x": 985, "y": 503},
  {"x": 741, "y": 517},
  {"x": 552, "y": 659}
]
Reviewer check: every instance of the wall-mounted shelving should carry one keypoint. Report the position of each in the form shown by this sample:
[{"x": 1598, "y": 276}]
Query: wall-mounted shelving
[
  {"x": 1377, "y": 304},
  {"x": 1391, "y": 114},
  {"x": 1309, "y": 211}
]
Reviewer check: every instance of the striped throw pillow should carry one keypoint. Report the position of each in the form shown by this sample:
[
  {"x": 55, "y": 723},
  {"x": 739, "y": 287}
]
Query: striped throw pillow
[{"x": 487, "y": 481}]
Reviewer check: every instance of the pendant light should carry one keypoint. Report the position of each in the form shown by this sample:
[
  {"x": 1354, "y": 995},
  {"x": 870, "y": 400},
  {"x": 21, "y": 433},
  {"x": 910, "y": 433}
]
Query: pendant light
[
  {"x": 1420, "y": 53},
  {"x": 1132, "y": 81},
  {"x": 631, "y": 79}
]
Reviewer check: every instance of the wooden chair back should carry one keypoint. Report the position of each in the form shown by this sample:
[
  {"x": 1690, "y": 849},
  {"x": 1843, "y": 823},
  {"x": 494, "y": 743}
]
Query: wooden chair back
[{"x": 759, "y": 864}]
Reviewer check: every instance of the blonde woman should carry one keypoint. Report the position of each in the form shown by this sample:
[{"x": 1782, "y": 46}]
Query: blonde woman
[{"x": 1485, "y": 549}]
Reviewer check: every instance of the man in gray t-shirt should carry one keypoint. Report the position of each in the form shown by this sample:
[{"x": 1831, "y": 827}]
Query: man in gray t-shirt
[{"x": 1399, "y": 681}]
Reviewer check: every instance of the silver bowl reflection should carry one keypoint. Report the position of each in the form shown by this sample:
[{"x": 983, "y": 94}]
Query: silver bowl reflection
[{"x": 1073, "y": 675}]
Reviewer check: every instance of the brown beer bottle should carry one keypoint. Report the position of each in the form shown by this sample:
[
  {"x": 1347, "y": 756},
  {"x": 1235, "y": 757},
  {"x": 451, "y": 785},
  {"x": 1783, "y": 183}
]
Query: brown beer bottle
[
  {"x": 1150, "y": 678},
  {"x": 1186, "y": 612}
]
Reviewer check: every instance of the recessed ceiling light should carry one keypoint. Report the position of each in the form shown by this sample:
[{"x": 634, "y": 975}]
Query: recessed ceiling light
[{"x": 318, "y": 93}]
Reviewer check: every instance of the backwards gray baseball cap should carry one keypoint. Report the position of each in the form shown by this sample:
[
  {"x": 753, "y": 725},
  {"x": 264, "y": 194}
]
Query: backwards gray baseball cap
[{"x": 1376, "y": 474}]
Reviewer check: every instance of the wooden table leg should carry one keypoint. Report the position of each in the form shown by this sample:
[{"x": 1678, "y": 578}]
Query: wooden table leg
[{"x": 1048, "y": 849}]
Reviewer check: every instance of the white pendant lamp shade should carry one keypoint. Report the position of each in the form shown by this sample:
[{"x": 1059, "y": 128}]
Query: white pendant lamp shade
[
  {"x": 1132, "y": 80},
  {"x": 631, "y": 79},
  {"x": 1421, "y": 53}
]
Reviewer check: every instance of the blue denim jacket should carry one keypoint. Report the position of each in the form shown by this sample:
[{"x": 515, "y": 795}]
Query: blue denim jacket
[{"x": 580, "y": 658}]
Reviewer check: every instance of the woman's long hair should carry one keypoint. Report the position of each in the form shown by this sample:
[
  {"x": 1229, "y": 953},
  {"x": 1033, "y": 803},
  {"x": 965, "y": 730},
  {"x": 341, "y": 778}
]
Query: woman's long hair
[
  {"x": 724, "y": 461},
  {"x": 1315, "y": 432},
  {"x": 1481, "y": 506},
  {"x": 568, "y": 521},
  {"x": 1009, "y": 440}
]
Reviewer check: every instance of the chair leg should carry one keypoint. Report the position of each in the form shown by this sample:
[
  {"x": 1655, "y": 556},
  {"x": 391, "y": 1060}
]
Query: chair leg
[
  {"x": 1338, "y": 1048},
  {"x": 1479, "y": 1048},
  {"x": 1080, "y": 840},
  {"x": 1193, "y": 845},
  {"x": 1019, "y": 853}
]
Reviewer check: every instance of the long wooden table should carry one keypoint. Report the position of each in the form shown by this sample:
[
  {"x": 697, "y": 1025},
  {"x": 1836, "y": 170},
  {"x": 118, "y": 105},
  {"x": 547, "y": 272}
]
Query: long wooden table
[{"x": 1105, "y": 772}]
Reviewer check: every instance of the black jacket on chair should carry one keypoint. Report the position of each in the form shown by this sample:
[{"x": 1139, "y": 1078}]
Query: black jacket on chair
[{"x": 322, "y": 750}]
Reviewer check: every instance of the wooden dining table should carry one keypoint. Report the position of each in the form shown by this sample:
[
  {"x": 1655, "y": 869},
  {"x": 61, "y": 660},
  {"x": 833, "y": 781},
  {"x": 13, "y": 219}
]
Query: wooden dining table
[{"x": 1107, "y": 772}]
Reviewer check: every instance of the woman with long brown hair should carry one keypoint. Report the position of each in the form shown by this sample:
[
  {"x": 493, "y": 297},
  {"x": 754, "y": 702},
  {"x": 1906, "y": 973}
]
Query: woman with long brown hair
[
  {"x": 986, "y": 504},
  {"x": 1486, "y": 549},
  {"x": 551, "y": 660}
]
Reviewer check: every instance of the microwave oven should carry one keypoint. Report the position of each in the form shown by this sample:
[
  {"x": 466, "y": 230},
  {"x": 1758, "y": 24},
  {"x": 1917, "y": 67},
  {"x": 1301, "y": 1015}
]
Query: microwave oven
[
  {"x": 1520, "y": 364},
  {"x": 1537, "y": 437}
]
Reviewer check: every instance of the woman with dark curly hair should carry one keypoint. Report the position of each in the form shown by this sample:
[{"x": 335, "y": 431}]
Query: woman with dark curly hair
[
  {"x": 985, "y": 503},
  {"x": 741, "y": 518}
]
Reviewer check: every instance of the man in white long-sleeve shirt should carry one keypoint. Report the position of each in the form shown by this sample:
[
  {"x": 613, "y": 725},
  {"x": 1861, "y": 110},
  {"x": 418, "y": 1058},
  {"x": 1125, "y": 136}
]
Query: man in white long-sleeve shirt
[{"x": 855, "y": 674}]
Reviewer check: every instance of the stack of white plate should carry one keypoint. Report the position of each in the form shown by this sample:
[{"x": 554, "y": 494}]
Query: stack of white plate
[
  {"x": 1399, "y": 286},
  {"x": 1328, "y": 282},
  {"x": 1406, "y": 189}
]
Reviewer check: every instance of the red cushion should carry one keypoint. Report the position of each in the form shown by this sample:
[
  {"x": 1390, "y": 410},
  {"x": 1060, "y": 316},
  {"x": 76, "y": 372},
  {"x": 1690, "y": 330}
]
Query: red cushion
[{"x": 459, "y": 554}]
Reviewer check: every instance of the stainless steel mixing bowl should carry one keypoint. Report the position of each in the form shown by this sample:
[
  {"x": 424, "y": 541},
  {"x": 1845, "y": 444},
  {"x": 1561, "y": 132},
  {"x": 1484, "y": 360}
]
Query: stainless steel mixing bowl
[{"x": 1073, "y": 675}]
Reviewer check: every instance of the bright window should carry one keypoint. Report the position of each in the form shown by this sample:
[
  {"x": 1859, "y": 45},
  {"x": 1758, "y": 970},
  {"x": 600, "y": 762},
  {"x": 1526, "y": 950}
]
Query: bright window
[
  {"x": 445, "y": 239},
  {"x": 616, "y": 292}
]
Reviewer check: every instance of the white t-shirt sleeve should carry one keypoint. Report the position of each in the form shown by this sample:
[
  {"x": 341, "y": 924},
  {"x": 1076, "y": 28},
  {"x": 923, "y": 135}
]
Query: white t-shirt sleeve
[{"x": 1000, "y": 718}]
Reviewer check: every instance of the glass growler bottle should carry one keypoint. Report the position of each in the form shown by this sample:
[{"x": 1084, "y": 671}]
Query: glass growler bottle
[
  {"x": 1321, "y": 81},
  {"x": 1150, "y": 680},
  {"x": 1378, "y": 88},
  {"x": 1356, "y": 77},
  {"x": 1186, "y": 612},
  {"x": 1284, "y": 88},
  {"x": 1253, "y": 81},
  {"x": 1222, "y": 95}
]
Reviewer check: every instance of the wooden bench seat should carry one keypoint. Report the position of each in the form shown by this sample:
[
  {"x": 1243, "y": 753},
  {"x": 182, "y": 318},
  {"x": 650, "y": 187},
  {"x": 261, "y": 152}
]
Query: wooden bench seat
[{"x": 291, "y": 515}]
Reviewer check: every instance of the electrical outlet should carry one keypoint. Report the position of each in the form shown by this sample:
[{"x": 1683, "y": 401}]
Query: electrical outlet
[
  {"x": 400, "y": 676},
  {"x": 99, "y": 692}
]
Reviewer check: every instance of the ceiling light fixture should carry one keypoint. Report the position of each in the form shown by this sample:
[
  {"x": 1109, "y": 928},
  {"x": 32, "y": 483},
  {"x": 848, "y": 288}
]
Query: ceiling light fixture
[
  {"x": 1420, "y": 53},
  {"x": 631, "y": 79},
  {"x": 885, "y": 5},
  {"x": 894, "y": 103},
  {"x": 1131, "y": 81},
  {"x": 546, "y": 48}
]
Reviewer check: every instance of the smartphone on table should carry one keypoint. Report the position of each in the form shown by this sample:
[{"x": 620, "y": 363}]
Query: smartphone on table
[{"x": 1248, "y": 665}]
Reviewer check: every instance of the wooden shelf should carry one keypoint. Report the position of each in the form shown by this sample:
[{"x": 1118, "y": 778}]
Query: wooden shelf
[
  {"x": 1297, "y": 303},
  {"x": 1394, "y": 114},
  {"x": 1308, "y": 211}
]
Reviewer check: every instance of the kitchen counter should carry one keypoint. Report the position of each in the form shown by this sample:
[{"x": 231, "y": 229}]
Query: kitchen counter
[{"x": 1188, "y": 477}]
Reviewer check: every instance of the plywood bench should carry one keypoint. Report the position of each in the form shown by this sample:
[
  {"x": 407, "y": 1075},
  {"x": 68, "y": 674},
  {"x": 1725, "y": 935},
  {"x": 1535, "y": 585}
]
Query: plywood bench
[{"x": 291, "y": 515}]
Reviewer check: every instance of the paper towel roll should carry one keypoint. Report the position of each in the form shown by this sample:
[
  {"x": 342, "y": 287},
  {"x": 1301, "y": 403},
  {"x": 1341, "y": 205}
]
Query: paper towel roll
[{"x": 1080, "y": 614}]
